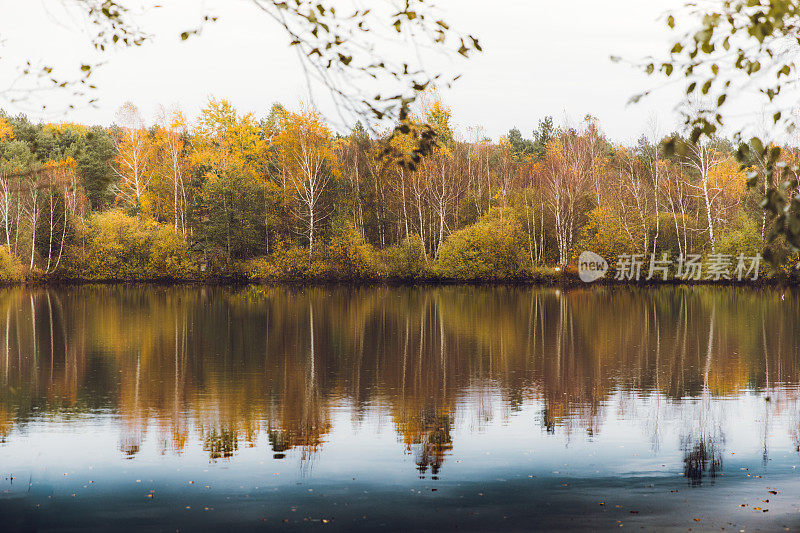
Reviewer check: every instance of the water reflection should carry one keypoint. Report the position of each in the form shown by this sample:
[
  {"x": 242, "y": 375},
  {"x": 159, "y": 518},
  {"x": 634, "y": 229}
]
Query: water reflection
[{"x": 224, "y": 367}]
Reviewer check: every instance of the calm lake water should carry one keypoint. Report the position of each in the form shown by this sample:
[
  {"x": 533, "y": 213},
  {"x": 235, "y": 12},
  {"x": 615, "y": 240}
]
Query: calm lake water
[{"x": 194, "y": 408}]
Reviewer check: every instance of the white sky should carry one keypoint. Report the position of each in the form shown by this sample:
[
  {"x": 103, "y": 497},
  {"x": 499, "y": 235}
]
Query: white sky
[{"x": 540, "y": 58}]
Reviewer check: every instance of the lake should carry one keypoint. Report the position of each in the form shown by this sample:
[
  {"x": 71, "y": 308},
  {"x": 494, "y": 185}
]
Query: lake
[{"x": 154, "y": 408}]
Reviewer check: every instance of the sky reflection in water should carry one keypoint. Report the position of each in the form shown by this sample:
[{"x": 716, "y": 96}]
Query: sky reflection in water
[{"x": 153, "y": 408}]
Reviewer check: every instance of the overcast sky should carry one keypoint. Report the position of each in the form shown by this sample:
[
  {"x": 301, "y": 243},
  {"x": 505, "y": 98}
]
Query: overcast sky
[{"x": 540, "y": 58}]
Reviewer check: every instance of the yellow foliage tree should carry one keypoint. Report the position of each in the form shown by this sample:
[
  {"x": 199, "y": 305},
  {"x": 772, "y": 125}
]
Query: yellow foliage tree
[
  {"x": 6, "y": 131},
  {"x": 306, "y": 155},
  {"x": 134, "y": 158}
]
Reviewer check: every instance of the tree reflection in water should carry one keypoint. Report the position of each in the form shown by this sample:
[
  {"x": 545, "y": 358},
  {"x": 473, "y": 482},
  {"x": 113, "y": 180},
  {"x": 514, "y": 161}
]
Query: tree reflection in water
[{"x": 220, "y": 366}]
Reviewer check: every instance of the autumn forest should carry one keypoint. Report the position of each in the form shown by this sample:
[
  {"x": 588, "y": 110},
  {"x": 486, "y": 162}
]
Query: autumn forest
[{"x": 284, "y": 197}]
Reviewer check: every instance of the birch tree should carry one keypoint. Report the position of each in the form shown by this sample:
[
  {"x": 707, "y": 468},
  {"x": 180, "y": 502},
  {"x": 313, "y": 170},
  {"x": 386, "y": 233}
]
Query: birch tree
[
  {"x": 305, "y": 146},
  {"x": 134, "y": 164}
]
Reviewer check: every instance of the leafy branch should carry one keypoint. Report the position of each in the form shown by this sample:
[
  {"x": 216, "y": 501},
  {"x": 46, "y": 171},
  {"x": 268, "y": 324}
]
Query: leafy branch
[{"x": 736, "y": 47}]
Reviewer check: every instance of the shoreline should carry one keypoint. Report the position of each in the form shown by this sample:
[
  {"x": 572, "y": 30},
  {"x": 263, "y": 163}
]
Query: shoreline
[{"x": 566, "y": 281}]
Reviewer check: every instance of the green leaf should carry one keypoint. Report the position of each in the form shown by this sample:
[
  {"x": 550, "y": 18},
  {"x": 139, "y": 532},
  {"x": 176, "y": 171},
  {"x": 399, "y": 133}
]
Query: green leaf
[
  {"x": 669, "y": 147},
  {"x": 757, "y": 145},
  {"x": 774, "y": 154}
]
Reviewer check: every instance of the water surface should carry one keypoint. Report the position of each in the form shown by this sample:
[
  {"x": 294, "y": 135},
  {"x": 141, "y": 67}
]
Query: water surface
[{"x": 194, "y": 408}]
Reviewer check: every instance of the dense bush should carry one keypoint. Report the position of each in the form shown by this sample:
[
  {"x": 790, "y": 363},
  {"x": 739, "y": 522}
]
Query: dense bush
[
  {"x": 347, "y": 257},
  {"x": 405, "y": 261},
  {"x": 114, "y": 246},
  {"x": 286, "y": 263},
  {"x": 603, "y": 235},
  {"x": 491, "y": 249},
  {"x": 741, "y": 237},
  {"x": 10, "y": 266}
]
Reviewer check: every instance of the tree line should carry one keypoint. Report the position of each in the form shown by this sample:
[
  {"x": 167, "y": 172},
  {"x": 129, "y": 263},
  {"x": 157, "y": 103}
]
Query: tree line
[{"x": 284, "y": 196}]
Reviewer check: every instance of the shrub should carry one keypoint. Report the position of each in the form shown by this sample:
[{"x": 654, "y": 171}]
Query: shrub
[
  {"x": 10, "y": 266},
  {"x": 169, "y": 254},
  {"x": 287, "y": 263},
  {"x": 405, "y": 261},
  {"x": 116, "y": 247},
  {"x": 487, "y": 250},
  {"x": 347, "y": 257},
  {"x": 603, "y": 235},
  {"x": 741, "y": 237},
  {"x": 259, "y": 269}
]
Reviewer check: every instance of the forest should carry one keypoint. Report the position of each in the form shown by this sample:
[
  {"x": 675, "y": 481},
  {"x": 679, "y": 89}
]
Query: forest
[{"x": 283, "y": 197}]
